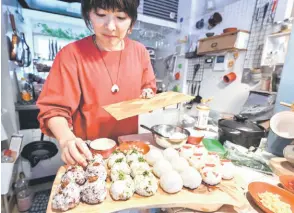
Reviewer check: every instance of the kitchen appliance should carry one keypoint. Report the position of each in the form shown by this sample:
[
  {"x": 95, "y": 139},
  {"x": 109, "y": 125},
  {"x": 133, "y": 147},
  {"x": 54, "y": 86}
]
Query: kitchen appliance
[
  {"x": 240, "y": 131},
  {"x": 36, "y": 151}
]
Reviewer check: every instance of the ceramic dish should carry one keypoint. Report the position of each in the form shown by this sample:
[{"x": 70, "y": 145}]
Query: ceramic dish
[
  {"x": 255, "y": 188},
  {"x": 287, "y": 182},
  {"x": 139, "y": 145},
  {"x": 102, "y": 146}
]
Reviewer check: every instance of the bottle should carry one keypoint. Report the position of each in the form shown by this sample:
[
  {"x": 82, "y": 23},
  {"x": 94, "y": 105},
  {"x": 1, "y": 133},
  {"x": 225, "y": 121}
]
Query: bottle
[
  {"x": 23, "y": 194},
  {"x": 203, "y": 113},
  {"x": 7, "y": 156},
  {"x": 26, "y": 90}
]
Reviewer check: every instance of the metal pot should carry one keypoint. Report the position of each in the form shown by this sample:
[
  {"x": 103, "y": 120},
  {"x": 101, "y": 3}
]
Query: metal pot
[
  {"x": 167, "y": 131},
  {"x": 240, "y": 131}
]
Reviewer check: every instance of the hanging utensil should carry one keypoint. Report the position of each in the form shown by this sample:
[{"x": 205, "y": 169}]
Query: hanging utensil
[
  {"x": 196, "y": 68},
  {"x": 272, "y": 15},
  {"x": 264, "y": 13},
  {"x": 198, "y": 98}
]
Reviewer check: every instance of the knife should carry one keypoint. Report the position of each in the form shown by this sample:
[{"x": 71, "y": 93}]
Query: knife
[
  {"x": 52, "y": 49},
  {"x": 56, "y": 48}
]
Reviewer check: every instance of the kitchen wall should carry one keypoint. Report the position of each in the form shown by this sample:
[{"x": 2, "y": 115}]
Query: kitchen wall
[{"x": 212, "y": 85}]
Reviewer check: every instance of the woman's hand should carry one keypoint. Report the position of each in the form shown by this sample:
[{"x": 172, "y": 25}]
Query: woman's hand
[
  {"x": 75, "y": 151},
  {"x": 147, "y": 93}
]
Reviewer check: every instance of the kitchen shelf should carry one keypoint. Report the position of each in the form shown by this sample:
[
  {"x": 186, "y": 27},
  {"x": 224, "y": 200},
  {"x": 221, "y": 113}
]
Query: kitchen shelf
[
  {"x": 222, "y": 51},
  {"x": 275, "y": 49},
  {"x": 232, "y": 41}
]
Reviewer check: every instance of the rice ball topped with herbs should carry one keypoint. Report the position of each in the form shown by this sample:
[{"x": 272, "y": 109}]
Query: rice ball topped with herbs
[
  {"x": 133, "y": 155},
  {"x": 123, "y": 188},
  {"x": 139, "y": 166},
  {"x": 117, "y": 154},
  {"x": 146, "y": 184}
]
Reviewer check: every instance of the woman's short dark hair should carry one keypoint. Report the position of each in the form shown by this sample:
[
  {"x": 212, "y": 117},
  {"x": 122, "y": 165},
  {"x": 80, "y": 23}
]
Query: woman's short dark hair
[{"x": 128, "y": 6}]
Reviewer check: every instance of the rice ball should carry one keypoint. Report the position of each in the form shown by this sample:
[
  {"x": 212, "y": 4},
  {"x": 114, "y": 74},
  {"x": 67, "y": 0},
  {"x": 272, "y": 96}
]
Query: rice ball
[
  {"x": 170, "y": 153},
  {"x": 197, "y": 161},
  {"x": 114, "y": 157},
  {"x": 119, "y": 176},
  {"x": 133, "y": 155},
  {"x": 171, "y": 182},
  {"x": 146, "y": 184},
  {"x": 139, "y": 167},
  {"x": 186, "y": 151},
  {"x": 122, "y": 189},
  {"x": 97, "y": 170},
  {"x": 227, "y": 170},
  {"x": 191, "y": 178},
  {"x": 121, "y": 167},
  {"x": 161, "y": 167},
  {"x": 153, "y": 156},
  {"x": 67, "y": 196},
  {"x": 97, "y": 158},
  {"x": 94, "y": 191},
  {"x": 180, "y": 164},
  {"x": 211, "y": 174},
  {"x": 76, "y": 174}
]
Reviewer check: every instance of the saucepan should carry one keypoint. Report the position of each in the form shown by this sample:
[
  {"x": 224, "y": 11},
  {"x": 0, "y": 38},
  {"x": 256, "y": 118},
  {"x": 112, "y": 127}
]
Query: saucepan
[{"x": 169, "y": 135}]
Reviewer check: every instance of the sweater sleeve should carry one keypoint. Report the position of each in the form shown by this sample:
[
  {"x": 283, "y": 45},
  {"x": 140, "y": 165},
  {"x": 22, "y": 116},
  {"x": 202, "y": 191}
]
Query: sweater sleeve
[
  {"x": 148, "y": 78},
  {"x": 61, "y": 92}
]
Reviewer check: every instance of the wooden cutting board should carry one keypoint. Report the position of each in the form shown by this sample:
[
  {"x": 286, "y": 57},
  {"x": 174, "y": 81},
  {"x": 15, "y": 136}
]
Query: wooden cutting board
[
  {"x": 135, "y": 107},
  {"x": 207, "y": 199},
  {"x": 281, "y": 166}
]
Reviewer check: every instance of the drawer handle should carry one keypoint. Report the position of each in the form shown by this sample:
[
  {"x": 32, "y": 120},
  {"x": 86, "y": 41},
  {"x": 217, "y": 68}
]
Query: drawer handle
[{"x": 213, "y": 45}]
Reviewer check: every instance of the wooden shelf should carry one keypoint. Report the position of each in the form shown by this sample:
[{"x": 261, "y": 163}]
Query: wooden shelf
[
  {"x": 222, "y": 35},
  {"x": 223, "y": 50}
]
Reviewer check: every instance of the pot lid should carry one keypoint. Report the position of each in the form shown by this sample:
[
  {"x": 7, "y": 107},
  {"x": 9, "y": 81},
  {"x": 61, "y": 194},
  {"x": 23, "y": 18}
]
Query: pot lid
[{"x": 241, "y": 123}]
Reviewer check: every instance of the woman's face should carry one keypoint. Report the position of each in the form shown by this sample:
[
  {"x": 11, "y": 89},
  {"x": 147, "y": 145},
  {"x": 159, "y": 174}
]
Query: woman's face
[{"x": 110, "y": 27}]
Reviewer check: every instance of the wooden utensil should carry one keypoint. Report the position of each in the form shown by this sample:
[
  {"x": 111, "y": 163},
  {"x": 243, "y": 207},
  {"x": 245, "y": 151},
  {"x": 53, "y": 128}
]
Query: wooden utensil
[
  {"x": 139, "y": 106},
  {"x": 207, "y": 199},
  {"x": 256, "y": 188},
  {"x": 14, "y": 39},
  {"x": 288, "y": 105}
]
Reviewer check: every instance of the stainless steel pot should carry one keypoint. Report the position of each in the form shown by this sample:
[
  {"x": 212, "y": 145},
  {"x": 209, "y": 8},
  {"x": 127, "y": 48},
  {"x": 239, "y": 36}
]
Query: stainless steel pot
[{"x": 165, "y": 131}]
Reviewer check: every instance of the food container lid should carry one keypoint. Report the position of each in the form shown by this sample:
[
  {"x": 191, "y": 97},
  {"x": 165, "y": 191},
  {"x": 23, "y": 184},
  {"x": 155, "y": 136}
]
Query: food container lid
[{"x": 242, "y": 124}]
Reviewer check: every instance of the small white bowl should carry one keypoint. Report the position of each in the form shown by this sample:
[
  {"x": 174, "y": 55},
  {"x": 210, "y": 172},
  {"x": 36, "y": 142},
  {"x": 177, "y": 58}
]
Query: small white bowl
[{"x": 282, "y": 124}]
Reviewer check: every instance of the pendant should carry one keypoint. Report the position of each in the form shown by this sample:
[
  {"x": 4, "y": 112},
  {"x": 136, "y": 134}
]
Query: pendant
[{"x": 114, "y": 88}]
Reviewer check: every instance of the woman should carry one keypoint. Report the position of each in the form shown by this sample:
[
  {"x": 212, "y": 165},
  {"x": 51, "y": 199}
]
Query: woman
[{"x": 88, "y": 74}]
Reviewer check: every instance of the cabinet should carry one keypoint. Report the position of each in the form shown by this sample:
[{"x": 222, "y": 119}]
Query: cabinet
[
  {"x": 275, "y": 49},
  {"x": 225, "y": 42}
]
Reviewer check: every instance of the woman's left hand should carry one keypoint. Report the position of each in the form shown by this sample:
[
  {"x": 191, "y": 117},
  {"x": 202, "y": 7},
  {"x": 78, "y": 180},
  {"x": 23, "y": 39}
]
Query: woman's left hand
[{"x": 147, "y": 93}]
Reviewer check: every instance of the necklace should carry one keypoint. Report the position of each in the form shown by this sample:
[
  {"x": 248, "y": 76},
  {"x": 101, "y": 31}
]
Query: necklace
[{"x": 114, "y": 88}]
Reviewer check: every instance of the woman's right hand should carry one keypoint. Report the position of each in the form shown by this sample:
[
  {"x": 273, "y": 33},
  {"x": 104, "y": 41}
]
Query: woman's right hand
[{"x": 75, "y": 151}]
